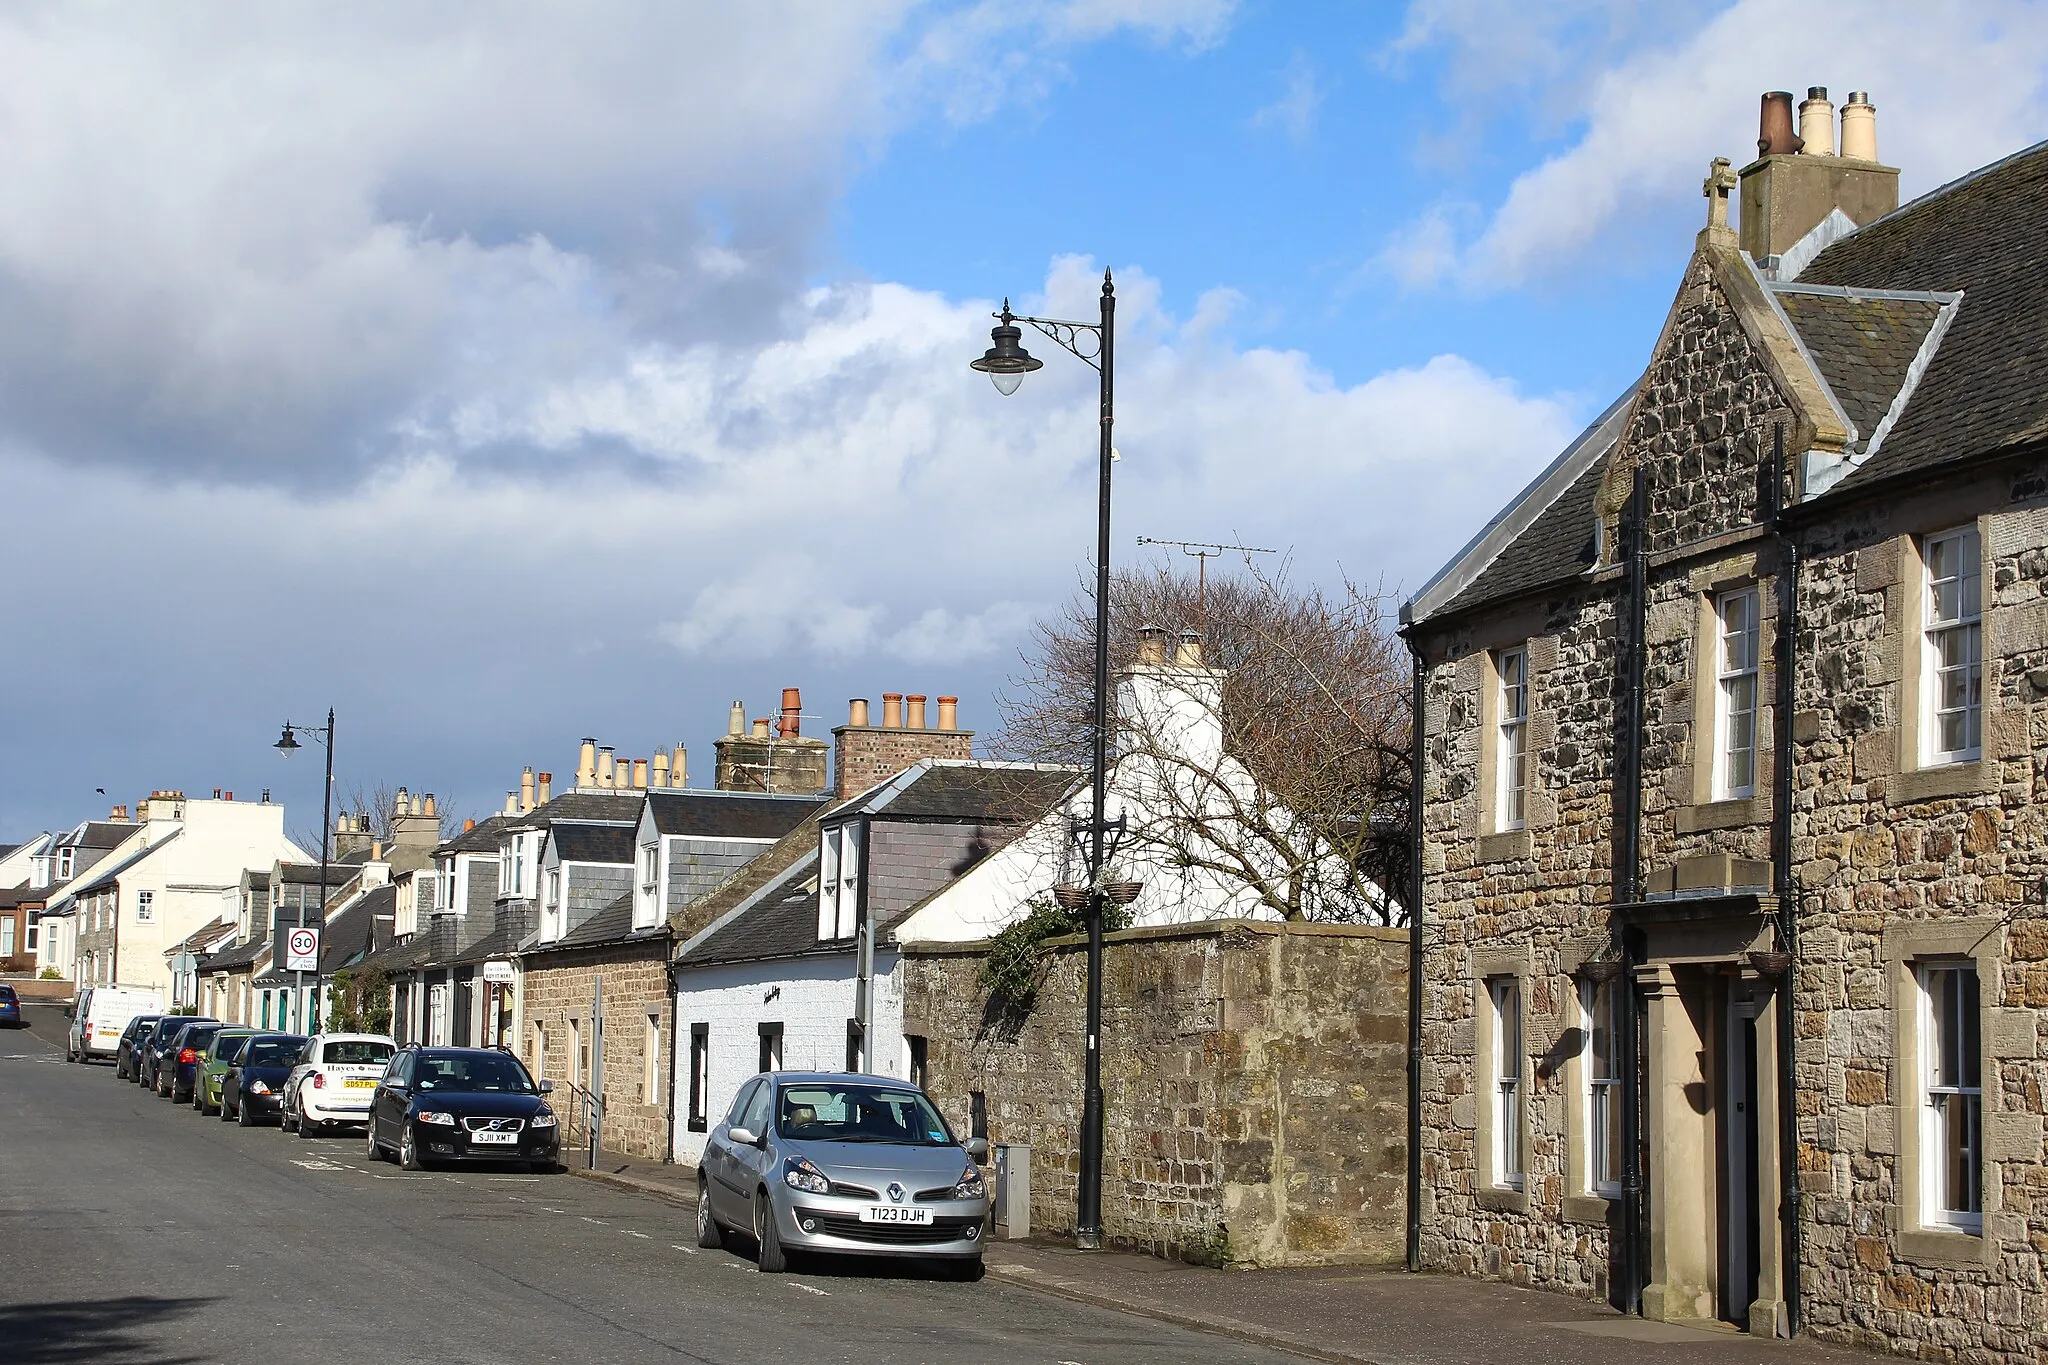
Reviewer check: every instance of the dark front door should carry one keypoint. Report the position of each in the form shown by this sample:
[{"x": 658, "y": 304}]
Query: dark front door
[{"x": 1739, "y": 1221}]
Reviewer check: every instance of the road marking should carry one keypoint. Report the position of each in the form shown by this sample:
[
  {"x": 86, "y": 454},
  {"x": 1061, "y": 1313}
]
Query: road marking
[
  {"x": 588, "y": 1219},
  {"x": 810, "y": 1289},
  {"x": 316, "y": 1164},
  {"x": 678, "y": 1246},
  {"x": 631, "y": 1233}
]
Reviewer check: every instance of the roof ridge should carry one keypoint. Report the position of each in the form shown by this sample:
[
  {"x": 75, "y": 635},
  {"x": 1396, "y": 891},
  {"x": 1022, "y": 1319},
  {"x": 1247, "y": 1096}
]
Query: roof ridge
[{"x": 1939, "y": 191}]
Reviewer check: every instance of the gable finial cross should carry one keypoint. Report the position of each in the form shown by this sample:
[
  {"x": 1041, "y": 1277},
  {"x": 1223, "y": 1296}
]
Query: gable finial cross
[{"x": 1719, "y": 181}]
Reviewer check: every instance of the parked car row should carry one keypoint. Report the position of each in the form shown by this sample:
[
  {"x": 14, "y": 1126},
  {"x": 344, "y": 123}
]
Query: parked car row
[{"x": 414, "y": 1105}]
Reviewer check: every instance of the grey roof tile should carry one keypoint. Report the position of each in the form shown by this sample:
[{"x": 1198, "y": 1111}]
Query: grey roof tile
[
  {"x": 1863, "y": 345},
  {"x": 581, "y": 843},
  {"x": 729, "y": 815}
]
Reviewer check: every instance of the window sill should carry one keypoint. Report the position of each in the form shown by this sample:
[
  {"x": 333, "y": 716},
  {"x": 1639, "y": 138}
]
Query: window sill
[
  {"x": 1505, "y": 846},
  {"x": 1501, "y": 1200},
  {"x": 697, "y": 1126},
  {"x": 1588, "y": 1208},
  {"x": 1946, "y": 1248},
  {"x": 1950, "y": 779},
  {"x": 1730, "y": 814}
]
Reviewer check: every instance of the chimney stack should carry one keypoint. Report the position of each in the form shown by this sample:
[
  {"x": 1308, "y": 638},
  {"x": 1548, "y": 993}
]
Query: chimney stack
[
  {"x": 736, "y": 722},
  {"x": 1817, "y": 122},
  {"x": 1787, "y": 193},
  {"x": 1859, "y": 127},
  {"x": 1188, "y": 653},
  {"x": 511, "y": 803},
  {"x": 949, "y": 713},
  {"x": 792, "y": 713},
  {"x": 119, "y": 815},
  {"x": 605, "y": 766},
  {"x": 913, "y": 711},
  {"x": 468, "y": 825},
  {"x": 543, "y": 790},
  {"x": 892, "y": 710},
  {"x": 657, "y": 774},
  {"x": 1152, "y": 645},
  {"x": 865, "y": 753},
  {"x": 526, "y": 789},
  {"x": 586, "y": 765},
  {"x": 427, "y": 802},
  {"x": 857, "y": 712}
]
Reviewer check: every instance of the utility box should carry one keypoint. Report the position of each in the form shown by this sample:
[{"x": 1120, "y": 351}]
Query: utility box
[{"x": 1013, "y": 1190}]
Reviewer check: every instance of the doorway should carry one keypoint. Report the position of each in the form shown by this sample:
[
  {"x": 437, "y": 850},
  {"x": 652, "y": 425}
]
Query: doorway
[{"x": 1737, "y": 1138}]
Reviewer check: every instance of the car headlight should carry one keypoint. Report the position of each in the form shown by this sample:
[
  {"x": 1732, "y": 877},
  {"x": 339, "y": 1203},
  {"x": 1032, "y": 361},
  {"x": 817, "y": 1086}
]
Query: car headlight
[
  {"x": 258, "y": 1088},
  {"x": 971, "y": 1185},
  {"x": 544, "y": 1119},
  {"x": 799, "y": 1174},
  {"x": 441, "y": 1116}
]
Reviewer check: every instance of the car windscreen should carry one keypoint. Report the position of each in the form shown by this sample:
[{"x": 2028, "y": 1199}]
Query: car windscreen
[
  {"x": 830, "y": 1111},
  {"x": 198, "y": 1037},
  {"x": 484, "y": 1072},
  {"x": 230, "y": 1047},
  {"x": 355, "y": 1052},
  {"x": 270, "y": 1052}
]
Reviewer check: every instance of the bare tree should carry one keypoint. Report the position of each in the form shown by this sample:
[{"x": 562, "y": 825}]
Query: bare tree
[{"x": 1303, "y": 808}]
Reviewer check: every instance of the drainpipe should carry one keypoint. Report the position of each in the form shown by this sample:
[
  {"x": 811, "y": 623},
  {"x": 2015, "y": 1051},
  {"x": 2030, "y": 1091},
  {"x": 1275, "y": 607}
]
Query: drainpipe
[
  {"x": 669, "y": 1078},
  {"x": 1781, "y": 872},
  {"x": 1627, "y": 888},
  {"x": 1416, "y": 767},
  {"x": 864, "y": 958}
]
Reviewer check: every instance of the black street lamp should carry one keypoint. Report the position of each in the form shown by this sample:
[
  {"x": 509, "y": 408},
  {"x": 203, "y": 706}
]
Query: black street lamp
[
  {"x": 1006, "y": 363},
  {"x": 288, "y": 744}
]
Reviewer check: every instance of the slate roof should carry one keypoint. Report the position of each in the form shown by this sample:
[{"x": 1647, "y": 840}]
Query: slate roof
[
  {"x": 241, "y": 955},
  {"x": 729, "y": 815},
  {"x": 482, "y": 839},
  {"x": 591, "y": 807},
  {"x": 1985, "y": 235},
  {"x": 1862, "y": 344},
  {"x": 581, "y": 843},
  {"x": 100, "y": 834},
  {"x": 611, "y": 925},
  {"x": 359, "y": 930},
  {"x": 399, "y": 957},
  {"x": 23, "y": 895},
  {"x": 199, "y": 937},
  {"x": 496, "y": 943},
  {"x": 783, "y": 924},
  {"x": 759, "y": 872},
  {"x": 308, "y": 874},
  {"x": 1557, "y": 545},
  {"x": 939, "y": 789}
]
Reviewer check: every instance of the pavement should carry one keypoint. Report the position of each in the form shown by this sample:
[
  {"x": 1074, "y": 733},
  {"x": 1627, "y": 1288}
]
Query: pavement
[
  {"x": 139, "y": 1233},
  {"x": 1348, "y": 1315}
]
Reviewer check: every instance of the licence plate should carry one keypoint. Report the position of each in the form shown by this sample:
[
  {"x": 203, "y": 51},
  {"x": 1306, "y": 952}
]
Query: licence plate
[
  {"x": 359, "y": 1085},
  {"x": 894, "y": 1213},
  {"x": 487, "y": 1136}
]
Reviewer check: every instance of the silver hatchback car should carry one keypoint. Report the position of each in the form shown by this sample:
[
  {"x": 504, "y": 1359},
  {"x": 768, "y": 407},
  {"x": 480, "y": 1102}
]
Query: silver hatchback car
[{"x": 835, "y": 1162}]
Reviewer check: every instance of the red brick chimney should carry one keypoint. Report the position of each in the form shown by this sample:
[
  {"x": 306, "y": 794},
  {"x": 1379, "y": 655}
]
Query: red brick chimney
[{"x": 865, "y": 754}]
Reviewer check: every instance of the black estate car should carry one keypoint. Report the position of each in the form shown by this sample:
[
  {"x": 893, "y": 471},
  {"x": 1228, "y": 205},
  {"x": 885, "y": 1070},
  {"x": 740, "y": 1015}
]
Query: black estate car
[
  {"x": 253, "y": 1090},
  {"x": 461, "y": 1104},
  {"x": 157, "y": 1042},
  {"x": 128, "y": 1054},
  {"x": 178, "y": 1069}
]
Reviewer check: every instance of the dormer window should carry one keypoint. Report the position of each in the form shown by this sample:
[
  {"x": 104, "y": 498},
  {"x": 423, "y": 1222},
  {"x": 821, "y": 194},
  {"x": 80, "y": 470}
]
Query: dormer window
[
  {"x": 838, "y": 882},
  {"x": 64, "y": 864},
  {"x": 650, "y": 861}
]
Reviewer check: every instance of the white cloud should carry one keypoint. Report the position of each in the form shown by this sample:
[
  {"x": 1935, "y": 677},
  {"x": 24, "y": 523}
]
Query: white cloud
[
  {"x": 1957, "y": 84},
  {"x": 1294, "y": 112}
]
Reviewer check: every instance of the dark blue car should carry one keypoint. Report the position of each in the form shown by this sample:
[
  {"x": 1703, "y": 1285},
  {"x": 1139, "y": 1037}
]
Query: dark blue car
[
  {"x": 253, "y": 1090},
  {"x": 157, "y": 1043},
  {"x": 178, "y": 1068},
  {"x": 10, "y": 1008}
]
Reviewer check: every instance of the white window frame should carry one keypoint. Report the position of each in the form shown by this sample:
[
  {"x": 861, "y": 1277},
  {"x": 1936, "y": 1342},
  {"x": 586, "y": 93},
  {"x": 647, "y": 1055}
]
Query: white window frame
[
  {"x": 6, "y": 936},
  {"x": 1949, "y": 1100},
  {"x": 1964, "y": 626},
  {"x": 1598, "y": 1010},
  {"x": 145, "y": 907},
  {"x": 650, "y": 1077},
  {"x": 828, "y": 885},
  {"x": 64, "y": 864},
  {"x": 1738, "y": 691},
  {"x": 1505, "y": 1090},
  {"x": 1511, "y": 755},
  {"x": 650, "y": 866}
]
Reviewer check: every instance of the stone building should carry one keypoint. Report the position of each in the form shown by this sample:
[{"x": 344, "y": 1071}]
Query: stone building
[
  {"x": 1734, "y": 755},
  {"x": 1252, "y": 1094}
]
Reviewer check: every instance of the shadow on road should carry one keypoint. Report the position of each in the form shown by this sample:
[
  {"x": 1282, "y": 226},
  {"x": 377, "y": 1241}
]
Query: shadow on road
[{"x": 114, "y": 1331}]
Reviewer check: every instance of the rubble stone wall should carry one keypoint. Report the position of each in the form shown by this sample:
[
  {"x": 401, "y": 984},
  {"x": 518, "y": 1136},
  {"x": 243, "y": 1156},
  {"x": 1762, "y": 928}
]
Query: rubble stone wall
[{"x": 558, "y": 989}]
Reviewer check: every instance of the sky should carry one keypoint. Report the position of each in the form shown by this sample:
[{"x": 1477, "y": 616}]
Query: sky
[{"x": 503, "y": 374}]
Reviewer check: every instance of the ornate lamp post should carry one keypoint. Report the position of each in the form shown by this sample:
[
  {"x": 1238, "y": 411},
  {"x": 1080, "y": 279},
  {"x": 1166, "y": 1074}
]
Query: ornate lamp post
[
  {"x": 288, "y": 744},
  {"x": 1006, "y": 363}
]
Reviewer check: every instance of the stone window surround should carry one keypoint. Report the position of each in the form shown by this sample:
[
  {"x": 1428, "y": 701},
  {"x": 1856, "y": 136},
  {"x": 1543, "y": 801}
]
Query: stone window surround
[
  {"x": 1896, "y": 566},
  {"x": 1708, "y": 584},
  {"x": 1582, "y": 1204},
  {"x": 1906, "y": 946},
  {"x": 1481, "y": 673},
  {"x": 698, "y": 1115},
  {"x": 1484, "y": 965}
]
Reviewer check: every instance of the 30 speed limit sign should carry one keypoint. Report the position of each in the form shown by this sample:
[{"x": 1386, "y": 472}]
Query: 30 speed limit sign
[{"x": 302, "y": 949}]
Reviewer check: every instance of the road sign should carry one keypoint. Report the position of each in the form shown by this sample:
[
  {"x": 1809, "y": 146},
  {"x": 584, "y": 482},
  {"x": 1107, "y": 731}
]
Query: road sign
[
  {"x": 302, "y": 949},
  {"x": 498, "y": 972}
]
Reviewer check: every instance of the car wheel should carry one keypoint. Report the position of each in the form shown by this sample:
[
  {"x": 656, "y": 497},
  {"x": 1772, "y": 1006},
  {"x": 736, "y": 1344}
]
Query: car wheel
[
  {"x": 772, "y": 1259},
  {"x": 409, "y": 1151},
  {"x": 222, "y": 1108},
  {"x": 966, "y": 1269},
  {"x": 286, "y": 1120},
  {"x": 371, "y": 1150},
  {"x": 307, "y": 1129},
  {"x": 242, "y": 1116},
  {"x": 710, "y": 1236}
]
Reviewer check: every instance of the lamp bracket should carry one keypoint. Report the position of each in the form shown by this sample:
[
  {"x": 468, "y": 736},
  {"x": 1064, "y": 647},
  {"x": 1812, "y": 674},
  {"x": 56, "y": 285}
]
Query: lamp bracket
[{"x": 1082, "y": 340}]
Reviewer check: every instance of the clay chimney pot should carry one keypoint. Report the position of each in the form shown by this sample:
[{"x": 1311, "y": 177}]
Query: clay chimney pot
[
  {"x": 1859, "y": 127},
  {"x": 1817, "y": 122},
  {"x": 949, "y": 713},
  {"x": 892, "y": 710},
  {"x": 857, "y": 712},
  {"x": 913, "y": 718},
  {"x": 1774, "y": 135},
  {"x": 792, "y": 712}
]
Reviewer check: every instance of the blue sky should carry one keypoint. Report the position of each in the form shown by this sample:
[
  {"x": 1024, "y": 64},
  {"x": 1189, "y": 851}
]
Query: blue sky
[{"x": 500, "y": 377}]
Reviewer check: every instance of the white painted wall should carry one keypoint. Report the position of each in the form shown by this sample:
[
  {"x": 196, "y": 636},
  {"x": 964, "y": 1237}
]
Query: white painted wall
[{"x": 813, "y": 1000}]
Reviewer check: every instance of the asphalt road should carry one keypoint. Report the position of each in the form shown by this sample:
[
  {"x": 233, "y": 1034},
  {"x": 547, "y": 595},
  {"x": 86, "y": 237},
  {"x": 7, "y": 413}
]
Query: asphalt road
[{"x": 133, "y": 1232}]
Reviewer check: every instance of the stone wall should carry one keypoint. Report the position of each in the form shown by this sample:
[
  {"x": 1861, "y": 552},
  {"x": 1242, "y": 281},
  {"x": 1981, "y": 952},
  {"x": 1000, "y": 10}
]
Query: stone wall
[
  {"x": 558, "y": 989},
  {"x": 1254, "y": 1079}
]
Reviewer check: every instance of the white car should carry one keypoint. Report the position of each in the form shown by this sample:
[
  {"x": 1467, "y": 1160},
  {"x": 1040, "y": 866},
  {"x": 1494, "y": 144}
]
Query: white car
[
  {"x": 101, "y": 1015},
  {"x": 334, "y": 1081}
]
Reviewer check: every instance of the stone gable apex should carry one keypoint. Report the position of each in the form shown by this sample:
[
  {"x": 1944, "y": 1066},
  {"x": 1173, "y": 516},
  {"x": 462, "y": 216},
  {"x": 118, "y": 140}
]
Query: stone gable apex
[{"x": 1727, "y": 367}]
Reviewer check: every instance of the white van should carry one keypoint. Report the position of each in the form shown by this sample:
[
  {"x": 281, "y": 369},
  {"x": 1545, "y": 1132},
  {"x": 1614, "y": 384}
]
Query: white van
[{"x": 102, "y": 1014}]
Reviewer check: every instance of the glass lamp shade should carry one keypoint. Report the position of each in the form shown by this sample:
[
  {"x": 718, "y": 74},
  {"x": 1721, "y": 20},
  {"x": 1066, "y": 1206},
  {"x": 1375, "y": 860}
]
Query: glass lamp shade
[
  {"x": 289, "y": 744},
  {"x": 1006, "y": 363},
  {"x": 1006, "y": 383}
]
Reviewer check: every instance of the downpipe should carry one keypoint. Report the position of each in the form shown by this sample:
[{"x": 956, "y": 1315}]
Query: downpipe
[
  {"x": 1417, "y": 765},
  {"x": 1627, "y": 890},
  {"x": 1782, "y": 883}
]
